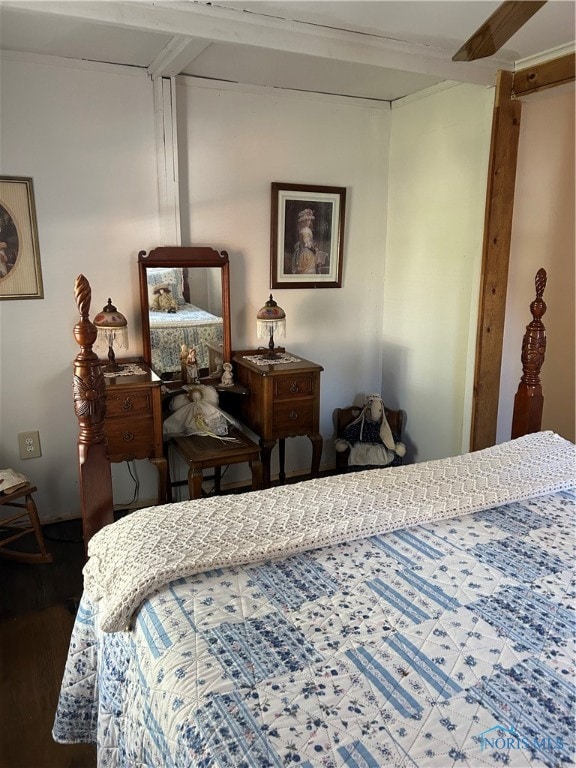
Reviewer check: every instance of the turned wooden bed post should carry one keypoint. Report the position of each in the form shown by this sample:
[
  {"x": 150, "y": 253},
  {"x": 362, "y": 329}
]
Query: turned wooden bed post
[
  {"x": 529, "y": 401},
  {"x": 90, "y": 405}
]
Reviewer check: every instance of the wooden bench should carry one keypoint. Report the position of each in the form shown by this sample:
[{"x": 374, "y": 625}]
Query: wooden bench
[{"x": 201, "y": 452}]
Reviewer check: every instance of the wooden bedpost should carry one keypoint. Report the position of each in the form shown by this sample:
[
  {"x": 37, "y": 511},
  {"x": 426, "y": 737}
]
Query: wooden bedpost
[
  {"x": 90, "y": 405},
  {"x": 529, "y": 401}
]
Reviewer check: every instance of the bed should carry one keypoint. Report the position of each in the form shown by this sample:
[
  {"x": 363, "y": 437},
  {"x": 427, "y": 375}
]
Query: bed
[
  {"x": 189, "y": 324},
  {"x": 415, "y": 616}
]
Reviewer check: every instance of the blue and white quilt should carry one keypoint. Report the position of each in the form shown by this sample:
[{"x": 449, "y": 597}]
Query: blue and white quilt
[
  {"x": 190, "y": 325},
  {"x": 449, "y": 643}
]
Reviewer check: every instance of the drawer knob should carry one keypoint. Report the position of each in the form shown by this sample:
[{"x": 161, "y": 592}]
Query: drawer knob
[
  {"x": 293, "y": 416},
  {"x": 127, "y": 404},
  {"x": 294, "y": 387},
  {"x": 128, "y": 436}
]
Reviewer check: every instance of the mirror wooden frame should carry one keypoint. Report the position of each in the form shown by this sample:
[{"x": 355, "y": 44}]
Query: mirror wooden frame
[{"x": 185, "y": 257}]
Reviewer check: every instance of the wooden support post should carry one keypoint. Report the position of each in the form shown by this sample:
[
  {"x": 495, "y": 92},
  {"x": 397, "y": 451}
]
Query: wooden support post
[{"x": 495, "y": 259}]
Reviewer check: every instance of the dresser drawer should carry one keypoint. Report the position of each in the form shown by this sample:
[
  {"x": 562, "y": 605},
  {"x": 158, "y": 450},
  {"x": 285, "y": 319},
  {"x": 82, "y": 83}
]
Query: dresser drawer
[
  {"x": 135, "y": 402},
  {"x": 130, "y": 437},
  {"x": 293, "y": 386},
  {"x": 293, "y": 417}
]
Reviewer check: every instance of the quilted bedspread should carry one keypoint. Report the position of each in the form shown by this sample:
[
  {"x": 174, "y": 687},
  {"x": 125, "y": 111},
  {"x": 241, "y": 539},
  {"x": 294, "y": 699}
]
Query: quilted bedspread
[
  {"x": 145, "y": 550},
  {"x": 446, "y": 644},
  {"x": 190, "y": 325}
]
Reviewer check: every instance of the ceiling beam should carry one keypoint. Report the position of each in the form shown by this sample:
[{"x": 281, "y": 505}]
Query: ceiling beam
[
  {"x": 547, "y": 75},
  {"x": 225, "y": 25},
  {"x": 176, "y": 56}
]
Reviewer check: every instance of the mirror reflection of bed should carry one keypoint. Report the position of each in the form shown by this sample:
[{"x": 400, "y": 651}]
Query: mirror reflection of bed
[
  {"x": 184, "y": 296},
  {"x": 195, "y": 320}
]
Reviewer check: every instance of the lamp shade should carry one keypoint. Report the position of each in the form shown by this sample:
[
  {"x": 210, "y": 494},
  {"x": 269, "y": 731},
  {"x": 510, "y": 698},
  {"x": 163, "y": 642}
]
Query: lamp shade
[
  {"x": 112, "y": 331},
  {"x": 270, "y": 321}
]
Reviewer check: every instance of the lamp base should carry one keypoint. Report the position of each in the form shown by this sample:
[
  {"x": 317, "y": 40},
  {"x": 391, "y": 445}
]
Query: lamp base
[
  {"x": 273, "y": 353},
  {"x": 113, "y": 366}
]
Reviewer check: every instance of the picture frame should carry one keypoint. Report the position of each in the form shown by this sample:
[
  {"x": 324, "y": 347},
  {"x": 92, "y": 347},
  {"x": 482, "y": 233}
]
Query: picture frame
[
  {"x": 20, "y": 269},
  {"x": 306, "y": 235}
]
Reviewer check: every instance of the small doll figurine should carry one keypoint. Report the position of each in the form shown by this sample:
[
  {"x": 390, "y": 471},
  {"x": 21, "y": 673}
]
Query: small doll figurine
[
  {"x": 163, "y": 300},
  {"x": 192, "y": 367},
  {"x": 197, "y": 413},
  {"x": 227, "y": 379}
]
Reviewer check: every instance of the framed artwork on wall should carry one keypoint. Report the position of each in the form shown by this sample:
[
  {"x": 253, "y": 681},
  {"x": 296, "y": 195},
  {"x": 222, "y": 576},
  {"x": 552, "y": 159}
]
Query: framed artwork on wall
[
  {"x": 307, "y": 236},
  {"x": 20, "y": 271}
]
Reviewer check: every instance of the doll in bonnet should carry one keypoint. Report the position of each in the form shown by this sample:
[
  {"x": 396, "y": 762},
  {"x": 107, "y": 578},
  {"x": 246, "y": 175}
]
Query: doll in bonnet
[{"x": 163, "y": 300}]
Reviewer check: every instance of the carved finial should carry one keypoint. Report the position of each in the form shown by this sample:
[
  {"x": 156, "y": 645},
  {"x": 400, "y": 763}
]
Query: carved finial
[
  {"x": 528, "y": 403},
  {"x": 83, "y": 296},
  {"x": 84, "y": 330},
  {"x": 538, "y": 306},
  {"x": 540, "y": 282}
]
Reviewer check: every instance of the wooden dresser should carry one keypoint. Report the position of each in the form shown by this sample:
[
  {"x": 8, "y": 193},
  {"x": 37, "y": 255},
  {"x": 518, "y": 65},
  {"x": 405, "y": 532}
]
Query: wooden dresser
[
  {"x": 283, "y": 401},
  {"x": 133, "y": 421}
]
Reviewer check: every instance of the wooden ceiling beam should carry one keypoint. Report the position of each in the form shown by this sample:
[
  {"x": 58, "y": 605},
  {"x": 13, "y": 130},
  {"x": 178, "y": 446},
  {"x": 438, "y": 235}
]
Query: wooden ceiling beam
[{"x": 547, "y": 75}]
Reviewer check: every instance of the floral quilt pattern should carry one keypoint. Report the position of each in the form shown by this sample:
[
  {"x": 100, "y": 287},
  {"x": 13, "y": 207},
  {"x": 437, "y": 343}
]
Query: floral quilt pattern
[
  {"x": 190, "y": 325},
  {"x": 448, "y": 644}
]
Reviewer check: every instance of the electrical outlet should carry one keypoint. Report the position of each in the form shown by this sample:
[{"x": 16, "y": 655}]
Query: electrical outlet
[{"x": 29, "y": 443}]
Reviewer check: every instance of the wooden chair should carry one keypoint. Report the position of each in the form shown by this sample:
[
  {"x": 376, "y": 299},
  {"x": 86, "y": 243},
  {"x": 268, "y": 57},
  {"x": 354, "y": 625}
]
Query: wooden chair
[
  {"x": 345, "y": 416},
  {"x": 27, "y": 510}
]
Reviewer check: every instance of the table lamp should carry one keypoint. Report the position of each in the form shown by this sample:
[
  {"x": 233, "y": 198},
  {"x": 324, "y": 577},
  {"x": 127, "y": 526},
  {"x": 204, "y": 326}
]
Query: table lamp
[
  {"x": 271, "y": 319},
  {"x": 112, "y": 328}
]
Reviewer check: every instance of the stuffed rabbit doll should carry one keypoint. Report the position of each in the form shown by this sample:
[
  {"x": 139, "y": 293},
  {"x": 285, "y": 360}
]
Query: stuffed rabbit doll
[{"x": 370, "y": 438}]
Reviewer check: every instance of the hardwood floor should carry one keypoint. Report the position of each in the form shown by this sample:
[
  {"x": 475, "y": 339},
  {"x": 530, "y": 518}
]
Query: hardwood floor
[
  {"x": 36, "y": 616},
  {"x": 37, "y": 606}
]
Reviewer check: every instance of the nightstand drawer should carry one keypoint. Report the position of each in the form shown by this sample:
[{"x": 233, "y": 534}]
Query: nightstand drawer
[
  {"x": 294, "y": 416},
  {"x": 293, "y": 386},
  {"x": 134, "y": 402},
  {"x": 133, "y": 436}
]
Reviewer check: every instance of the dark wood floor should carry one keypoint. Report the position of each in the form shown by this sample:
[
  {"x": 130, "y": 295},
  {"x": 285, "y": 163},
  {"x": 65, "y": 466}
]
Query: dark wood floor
[
  {"x": 37, "y": 607},
  {"x": 37, "y": 604}
]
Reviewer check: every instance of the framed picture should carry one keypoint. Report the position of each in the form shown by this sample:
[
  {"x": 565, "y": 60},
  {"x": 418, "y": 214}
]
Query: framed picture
[
  {"x": 307, "y": 236},
  {"x": 20, "y": 273}
]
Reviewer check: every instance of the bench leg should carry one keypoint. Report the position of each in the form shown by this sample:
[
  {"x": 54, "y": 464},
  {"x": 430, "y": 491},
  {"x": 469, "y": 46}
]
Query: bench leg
[
  {"x": 195, "y": 478},
  {"x": 257, "y": 474},
  {"x": 217, "y": 478}
]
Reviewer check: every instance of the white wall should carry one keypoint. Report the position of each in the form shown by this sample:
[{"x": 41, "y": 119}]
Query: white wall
[
  {"x": 235, "y": 141},
  {"x": 543, "y": 236},
  {"x": 86, "y": 137},
  {"x": 439, "y": 151}
]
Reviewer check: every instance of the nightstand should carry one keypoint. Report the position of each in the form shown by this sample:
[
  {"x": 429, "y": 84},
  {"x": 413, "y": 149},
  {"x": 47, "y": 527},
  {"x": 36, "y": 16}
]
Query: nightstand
[
  {"x": 133, "y": 421},
  {"x": 283, "y": 401}
]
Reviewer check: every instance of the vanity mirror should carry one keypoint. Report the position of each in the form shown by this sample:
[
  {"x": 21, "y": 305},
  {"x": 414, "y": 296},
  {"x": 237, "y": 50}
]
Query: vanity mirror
[{"x": 185, "y": 299}]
